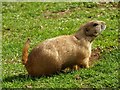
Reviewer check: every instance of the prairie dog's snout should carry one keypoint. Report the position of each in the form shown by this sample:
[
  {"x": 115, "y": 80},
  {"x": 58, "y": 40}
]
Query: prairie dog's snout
[
  {"x": 103, "y": 25},
  {"x": 94, "y": 28}
]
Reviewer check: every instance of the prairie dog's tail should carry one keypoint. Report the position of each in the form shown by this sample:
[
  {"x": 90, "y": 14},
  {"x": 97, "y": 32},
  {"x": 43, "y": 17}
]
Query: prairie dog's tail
[{"x": 25, "y": 52}]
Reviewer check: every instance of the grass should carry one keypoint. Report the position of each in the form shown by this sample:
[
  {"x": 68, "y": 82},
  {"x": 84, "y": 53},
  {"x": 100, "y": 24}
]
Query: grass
[{"x": 41, "y": 21}]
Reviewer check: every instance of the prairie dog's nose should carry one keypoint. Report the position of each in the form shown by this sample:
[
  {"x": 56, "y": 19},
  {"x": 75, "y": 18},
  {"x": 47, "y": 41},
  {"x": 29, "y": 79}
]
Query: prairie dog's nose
[{"x": 103, "y": 25}]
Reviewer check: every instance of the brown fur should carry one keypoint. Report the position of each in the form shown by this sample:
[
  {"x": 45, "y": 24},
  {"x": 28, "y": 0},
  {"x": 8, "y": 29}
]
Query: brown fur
[{"x": 60, "y": 52}]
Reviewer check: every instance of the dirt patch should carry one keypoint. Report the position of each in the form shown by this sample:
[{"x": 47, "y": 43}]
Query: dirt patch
[
  {"x": 59, "y": 14},
  {"x": 48, "y": 14},
  {"x": 95, "y": 55}
]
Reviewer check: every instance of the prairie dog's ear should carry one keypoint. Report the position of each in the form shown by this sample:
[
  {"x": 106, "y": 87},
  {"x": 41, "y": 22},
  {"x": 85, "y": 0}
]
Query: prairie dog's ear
[{"x": 86, "y": 31}]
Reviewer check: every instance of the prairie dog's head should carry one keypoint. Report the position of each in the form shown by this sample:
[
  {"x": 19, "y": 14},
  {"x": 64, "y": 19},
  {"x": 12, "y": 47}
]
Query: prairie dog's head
[{"x": 93, "y": 28}]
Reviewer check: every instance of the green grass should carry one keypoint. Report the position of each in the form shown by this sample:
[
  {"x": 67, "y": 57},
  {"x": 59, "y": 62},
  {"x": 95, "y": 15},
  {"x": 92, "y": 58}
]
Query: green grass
[{"x": 41, "y": 21}]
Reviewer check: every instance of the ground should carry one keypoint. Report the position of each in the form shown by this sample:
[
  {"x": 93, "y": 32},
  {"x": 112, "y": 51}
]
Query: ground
[{"x": 40, "y": 21}]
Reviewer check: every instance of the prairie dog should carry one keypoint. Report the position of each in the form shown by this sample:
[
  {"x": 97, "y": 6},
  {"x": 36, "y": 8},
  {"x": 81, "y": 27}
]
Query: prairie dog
[{"x": 55, "y": 54}]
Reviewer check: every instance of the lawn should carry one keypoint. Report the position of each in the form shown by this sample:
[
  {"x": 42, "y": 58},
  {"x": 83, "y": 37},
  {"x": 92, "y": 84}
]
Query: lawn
[{"x": 40, "y": 21}]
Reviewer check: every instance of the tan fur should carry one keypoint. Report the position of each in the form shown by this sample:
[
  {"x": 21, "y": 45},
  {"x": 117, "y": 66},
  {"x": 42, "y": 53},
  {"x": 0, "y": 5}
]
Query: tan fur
[
  {"x": 60, "y": 52},
  {"x": 25, "y": 52}
]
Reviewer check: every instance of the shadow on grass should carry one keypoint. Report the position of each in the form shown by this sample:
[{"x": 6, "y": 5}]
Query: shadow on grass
[
  {"x": 16, "y": 77},
  {"x": 24, "y": 77}
]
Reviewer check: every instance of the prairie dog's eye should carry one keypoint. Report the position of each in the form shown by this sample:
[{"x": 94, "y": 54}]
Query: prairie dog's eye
[{"x": 95, "y": 24}]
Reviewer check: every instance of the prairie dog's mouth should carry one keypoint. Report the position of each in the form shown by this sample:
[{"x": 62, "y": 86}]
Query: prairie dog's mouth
[{"x": 95, "y": 35}]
